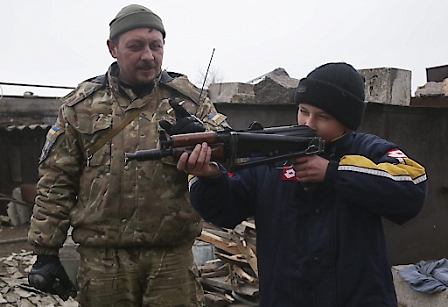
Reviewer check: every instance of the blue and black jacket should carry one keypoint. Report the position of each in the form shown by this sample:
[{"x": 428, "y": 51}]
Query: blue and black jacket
[{"x": 327, "y": 247}]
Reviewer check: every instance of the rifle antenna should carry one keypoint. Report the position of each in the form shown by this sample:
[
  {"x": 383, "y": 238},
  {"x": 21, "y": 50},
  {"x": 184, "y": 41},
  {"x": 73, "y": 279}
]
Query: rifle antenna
[{"x": 205, "y": 77}]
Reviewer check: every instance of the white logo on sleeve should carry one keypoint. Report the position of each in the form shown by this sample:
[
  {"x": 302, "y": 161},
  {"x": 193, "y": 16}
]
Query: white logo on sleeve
[{"x": 396, "y": 154}]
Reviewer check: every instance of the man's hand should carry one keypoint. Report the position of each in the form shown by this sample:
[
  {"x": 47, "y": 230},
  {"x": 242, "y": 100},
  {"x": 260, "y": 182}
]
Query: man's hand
[
  {"x": 48, "y": 275},
  {"x": 185, "y": 123},
  {"x": 310, "y": 168},
  {"x": 198, "y": 163}
]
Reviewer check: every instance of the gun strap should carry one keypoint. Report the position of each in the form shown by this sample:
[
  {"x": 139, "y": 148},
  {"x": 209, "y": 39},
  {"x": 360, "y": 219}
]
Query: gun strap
[{"x": 130, "y": 117}]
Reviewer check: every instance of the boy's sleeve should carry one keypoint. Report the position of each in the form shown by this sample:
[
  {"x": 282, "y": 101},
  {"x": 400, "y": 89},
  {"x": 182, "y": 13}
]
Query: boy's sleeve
[
  {"x": 224, "y": 201},
  {"x": 393, "y": 186}
]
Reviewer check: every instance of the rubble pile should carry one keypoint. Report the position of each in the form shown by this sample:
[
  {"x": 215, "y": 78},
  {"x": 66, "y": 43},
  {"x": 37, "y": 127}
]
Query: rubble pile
[
  {"x": 232, "y": 278},
  {"x": 14, "y": 287},
  {"x": 433, "y": 89}
]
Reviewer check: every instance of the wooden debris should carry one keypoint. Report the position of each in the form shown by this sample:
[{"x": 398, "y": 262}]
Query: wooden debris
[
  {"x": 229, "y": 280},
  {"x": 247, "y": 252},
  {"x": 218, "y": 241},
  {"x": 235, "y": 281},
  {"x": 4, "y": 219}
]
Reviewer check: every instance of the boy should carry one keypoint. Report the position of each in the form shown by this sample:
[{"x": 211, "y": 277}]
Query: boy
[{"x": 323, "y": 246}]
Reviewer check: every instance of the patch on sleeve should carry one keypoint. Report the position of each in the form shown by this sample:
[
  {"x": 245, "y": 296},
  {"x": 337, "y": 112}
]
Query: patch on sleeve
[
  {"x": 52, "y": 135},
  {"x": 215, "y": 119},
  {"x": 288, "y": 174},
  {"x": 396, "y": 154}
]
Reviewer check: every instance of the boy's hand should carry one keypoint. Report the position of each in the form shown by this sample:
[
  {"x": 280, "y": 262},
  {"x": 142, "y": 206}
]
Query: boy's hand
[
  {"x": 310, "y": 168},
  {"x": 198, "y": 163}
]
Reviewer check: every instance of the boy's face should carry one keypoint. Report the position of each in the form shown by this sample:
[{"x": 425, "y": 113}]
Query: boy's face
[{"x": 326, "y": 126}]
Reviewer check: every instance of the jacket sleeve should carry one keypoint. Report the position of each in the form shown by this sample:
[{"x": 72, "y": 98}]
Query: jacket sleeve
[
  {"x": 224, "y": 201},
  {"x": 383, "y": 180},
  {"x": 59, "y": 169}
]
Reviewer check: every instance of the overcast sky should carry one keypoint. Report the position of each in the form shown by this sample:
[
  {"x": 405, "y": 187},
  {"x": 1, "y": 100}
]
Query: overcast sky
[{"x": 63, "y": 42}]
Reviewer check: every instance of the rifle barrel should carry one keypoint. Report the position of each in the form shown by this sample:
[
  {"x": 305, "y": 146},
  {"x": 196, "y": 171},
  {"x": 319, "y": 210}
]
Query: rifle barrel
[{"x": 145, "y": 155}]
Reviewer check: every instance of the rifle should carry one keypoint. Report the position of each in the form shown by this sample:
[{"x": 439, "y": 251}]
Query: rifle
[{"x": 239, "y": 149}]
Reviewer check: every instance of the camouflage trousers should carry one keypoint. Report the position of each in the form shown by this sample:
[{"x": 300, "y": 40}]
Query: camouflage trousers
[{"x": 136, "y": 276}]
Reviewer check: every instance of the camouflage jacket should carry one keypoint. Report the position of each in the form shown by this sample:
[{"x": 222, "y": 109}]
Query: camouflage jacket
[{"x": 108, "y": 202}]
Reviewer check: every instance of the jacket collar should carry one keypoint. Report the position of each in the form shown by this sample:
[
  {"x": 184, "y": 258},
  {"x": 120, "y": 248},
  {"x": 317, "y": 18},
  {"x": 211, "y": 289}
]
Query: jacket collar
[{"x": 336, "y": 147}]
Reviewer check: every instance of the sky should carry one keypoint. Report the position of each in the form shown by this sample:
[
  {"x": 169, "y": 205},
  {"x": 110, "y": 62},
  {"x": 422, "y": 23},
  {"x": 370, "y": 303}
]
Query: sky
[{"x": 63, "y": 42}]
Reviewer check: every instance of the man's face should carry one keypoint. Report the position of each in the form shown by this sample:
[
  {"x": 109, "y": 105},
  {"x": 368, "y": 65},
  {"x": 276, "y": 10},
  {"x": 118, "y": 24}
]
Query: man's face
[
  {"x": 139, "y": 53},
  {"x": 327, "y": 127}
]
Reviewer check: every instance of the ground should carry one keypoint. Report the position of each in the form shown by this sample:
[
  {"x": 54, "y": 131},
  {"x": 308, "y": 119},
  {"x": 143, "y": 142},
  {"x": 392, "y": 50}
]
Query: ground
[
  {"x": 16, "y": 234},
  {"x": 16, "y": 259}
]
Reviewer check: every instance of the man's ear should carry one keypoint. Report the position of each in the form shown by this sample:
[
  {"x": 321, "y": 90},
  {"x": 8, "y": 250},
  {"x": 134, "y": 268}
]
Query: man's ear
[{"x": 112, "y": 48}]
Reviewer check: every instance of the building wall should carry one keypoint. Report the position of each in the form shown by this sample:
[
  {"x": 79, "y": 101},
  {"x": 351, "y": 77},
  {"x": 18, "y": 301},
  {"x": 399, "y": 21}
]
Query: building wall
[{"x": 19, "y": 154}]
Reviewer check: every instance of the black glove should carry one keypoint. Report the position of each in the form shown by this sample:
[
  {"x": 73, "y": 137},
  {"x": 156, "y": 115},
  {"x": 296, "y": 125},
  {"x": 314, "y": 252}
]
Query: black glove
[
  {"x": 185, "y": 122},
  {"x": 48, "y": 275}
]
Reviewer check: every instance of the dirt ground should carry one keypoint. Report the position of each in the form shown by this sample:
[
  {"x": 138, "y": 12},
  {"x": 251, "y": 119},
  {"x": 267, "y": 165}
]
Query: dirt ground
[{"x": 13, "y": 239}]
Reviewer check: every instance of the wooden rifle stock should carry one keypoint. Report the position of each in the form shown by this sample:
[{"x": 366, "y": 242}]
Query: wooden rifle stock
[{"x": 186, "y": 143}]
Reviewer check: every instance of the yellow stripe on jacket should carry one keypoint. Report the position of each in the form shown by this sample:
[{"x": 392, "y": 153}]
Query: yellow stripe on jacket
[{"x": 406, "y": 170}]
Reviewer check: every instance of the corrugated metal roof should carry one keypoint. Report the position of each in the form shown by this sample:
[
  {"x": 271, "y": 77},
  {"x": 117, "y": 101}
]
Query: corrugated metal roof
[{"x": 27, "y": 127}]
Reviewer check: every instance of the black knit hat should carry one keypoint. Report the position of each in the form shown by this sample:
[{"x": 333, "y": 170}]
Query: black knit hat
[
  {"x": 336, "y": 88},
  {"x": 134, "y": 16}
]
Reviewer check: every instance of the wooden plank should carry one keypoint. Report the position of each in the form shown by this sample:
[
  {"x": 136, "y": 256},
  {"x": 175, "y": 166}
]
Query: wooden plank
[
  {"x": 219, "y": 242},
  {"x": 219, "y": 282},
  {"x": 247, "y": 252},
  {"x": 233, "y": 259},
  {"x": 248, "y": 224},
  {"x": 243, "y": 274}
]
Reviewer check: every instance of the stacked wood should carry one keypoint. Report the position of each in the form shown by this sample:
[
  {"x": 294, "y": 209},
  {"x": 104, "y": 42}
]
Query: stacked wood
[{"x": 232, "y": 278}]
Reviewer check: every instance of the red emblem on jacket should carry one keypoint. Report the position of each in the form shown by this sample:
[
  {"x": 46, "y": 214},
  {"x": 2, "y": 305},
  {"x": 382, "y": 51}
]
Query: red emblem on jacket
[{"x": 288, "y": 174}]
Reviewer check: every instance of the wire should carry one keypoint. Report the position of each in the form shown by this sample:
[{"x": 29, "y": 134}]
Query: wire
[
  {"x": 37, "y": 85},
  {"x": 205, "y": 79}
]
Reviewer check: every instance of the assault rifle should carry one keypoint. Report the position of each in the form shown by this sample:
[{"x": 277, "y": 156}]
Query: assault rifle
[{"x": 239, "y": 149}]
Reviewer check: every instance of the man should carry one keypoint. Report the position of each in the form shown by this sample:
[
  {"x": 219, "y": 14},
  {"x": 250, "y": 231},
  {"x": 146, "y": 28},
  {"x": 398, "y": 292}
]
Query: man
[
  {"x": 322, "y": 246},
  {"x": 133, "y": 221}
]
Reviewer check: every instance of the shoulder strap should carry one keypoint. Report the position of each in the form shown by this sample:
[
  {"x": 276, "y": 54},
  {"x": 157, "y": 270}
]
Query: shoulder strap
[
  {"x": 181, "y": 84},
  {"x": 84, "y": 90},
  {"x": 130, "y": 117}
]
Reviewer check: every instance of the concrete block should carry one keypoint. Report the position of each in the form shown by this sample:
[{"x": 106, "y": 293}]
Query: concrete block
[
  {"x": 70, "y": 261},
  {"x": 70, "y": 257},
  {"x": 430, "y": 89},
  {"x": 387, "y": 85},
  {"x": 407, "y": 297},
  {"x": 224, "y": 92},
  {"x": 445, "y": 87},
  {"x": 18, "y": 213},
  {"x": 203, "y": 252},
  {"x": 276, "y": 89},
  {"x": 244, "y": 98}
]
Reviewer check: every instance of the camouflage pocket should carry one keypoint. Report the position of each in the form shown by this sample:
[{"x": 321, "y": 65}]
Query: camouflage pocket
[{"x": 94, "y": 128}]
